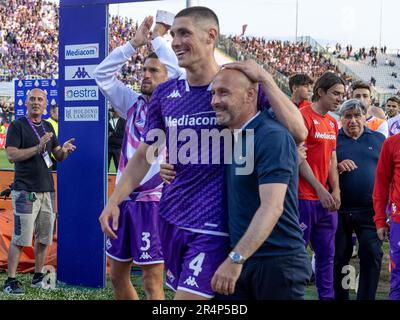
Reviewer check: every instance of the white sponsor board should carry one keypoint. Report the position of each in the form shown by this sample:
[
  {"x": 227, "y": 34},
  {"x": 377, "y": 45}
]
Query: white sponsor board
[
  {"x": 81, "y": 114},
  {"x": 81, "y": 93},
  {"x": 80, "y": 72},
  {"x": 81, "y": 51}
]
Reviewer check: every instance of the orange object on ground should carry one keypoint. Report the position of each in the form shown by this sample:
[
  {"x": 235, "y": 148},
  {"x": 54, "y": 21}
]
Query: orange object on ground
[{"x": 27, "y": 261}]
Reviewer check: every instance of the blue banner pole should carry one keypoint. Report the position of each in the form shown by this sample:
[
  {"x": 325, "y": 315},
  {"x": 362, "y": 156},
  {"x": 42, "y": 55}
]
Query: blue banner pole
[{"x": 82, "y": 178}]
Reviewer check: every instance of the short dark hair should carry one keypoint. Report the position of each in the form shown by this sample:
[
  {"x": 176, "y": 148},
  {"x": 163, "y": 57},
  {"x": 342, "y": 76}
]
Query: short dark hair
[
  {"x": 360, "y": 85},
  {"x": 299, "y": 79},
  {"x": 151, "y": 55},
  {"x": 325, "y": 82},
  {"x": 199, "y": 13},
  {"x": 394, "y": 99}
]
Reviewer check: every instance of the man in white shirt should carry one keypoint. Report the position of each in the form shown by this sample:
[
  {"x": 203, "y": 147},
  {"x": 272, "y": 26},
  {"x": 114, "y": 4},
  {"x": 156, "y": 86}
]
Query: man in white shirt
[{"x": 137, "y": 235}]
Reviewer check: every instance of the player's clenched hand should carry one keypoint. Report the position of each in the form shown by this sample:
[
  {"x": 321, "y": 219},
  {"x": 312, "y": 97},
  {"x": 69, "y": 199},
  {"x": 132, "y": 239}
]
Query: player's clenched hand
[
  {"x": 167, "y": 172},
  {"x": 382, "y": 233},
  {"x": 110, "y": 212},
  {"x": 327, "y": 201},
  {"x": 302, "y": 152},
  {"x": 336, "y": 196},
  {"x": 224, "y": 279}
]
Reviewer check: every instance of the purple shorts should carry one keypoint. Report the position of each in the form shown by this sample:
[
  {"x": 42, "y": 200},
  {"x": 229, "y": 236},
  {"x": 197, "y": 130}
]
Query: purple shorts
[
  {"x": 138, "y": 235},
  {"x": 191, "y": 258}
]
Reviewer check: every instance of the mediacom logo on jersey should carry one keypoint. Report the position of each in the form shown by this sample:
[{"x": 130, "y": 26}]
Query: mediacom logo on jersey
[
  {"x": 81, "y": 93},
  {"x": 82, "y": 51}
]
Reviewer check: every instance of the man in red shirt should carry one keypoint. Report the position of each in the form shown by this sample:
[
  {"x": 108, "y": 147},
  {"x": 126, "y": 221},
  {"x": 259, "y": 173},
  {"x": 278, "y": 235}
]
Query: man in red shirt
[
  {"x": 387, "y": 190},
  {"x": 301, "y": 87},
  {"x": 317, "y": 206}
]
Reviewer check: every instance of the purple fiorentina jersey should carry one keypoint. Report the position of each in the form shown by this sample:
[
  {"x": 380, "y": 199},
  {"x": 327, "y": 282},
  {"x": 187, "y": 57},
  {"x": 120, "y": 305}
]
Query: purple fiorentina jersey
[{"x": 196, "y": 198}]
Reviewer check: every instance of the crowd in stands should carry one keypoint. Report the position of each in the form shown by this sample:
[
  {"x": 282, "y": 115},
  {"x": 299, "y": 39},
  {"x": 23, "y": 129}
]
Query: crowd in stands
[
  {"x": 121, "y": 30},
  {"x": 286, "y": 57},
  {"x": 28, "y": 39}
]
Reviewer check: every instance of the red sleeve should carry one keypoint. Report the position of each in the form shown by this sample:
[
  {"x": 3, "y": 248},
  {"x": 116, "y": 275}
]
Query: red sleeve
[
  {"x": 384, "y": 174},
  {"x": 306, "y": 118}
]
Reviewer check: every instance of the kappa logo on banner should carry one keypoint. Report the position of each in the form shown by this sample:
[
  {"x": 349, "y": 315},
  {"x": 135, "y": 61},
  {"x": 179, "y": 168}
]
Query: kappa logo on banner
[
  {"x": 81, "y": 72},
  {"x": 82, "y": 51},
  {"x": 81, "y": 93}
]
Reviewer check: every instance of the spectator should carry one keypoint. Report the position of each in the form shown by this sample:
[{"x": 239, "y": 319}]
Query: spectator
[
  {"x": 392, "y": 107},
  {"x": 300, "y": 86},
  {"x": 3, "y": 128},
  {"x": 53, "y": 119},
  {"x": 116, "y": 129}
]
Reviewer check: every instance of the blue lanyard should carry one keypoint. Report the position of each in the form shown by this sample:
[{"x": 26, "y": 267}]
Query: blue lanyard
[{"x": 34, "y": 129}]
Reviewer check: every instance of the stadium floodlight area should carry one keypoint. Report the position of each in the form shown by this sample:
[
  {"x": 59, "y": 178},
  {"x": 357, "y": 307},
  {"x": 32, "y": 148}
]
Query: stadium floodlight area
[{"x": 82, "y": 180}]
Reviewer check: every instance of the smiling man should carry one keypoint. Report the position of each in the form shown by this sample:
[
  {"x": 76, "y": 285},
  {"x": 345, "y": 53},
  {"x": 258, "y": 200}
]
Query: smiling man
[
  {"x": 265, "y": 235},
  {"x": 193, "y": 222},
  {"x": 358, "y": 150},
  {"x": 29, "y": 144},
  {"x": 138, "y": 237}
]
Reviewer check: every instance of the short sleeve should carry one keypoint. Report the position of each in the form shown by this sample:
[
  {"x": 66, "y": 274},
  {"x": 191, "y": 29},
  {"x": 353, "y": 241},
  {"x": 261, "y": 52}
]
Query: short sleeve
[
  {"x": 276, "y": 158},
  {"x": 13, "y": 138},
  {"x": 306, "y": 118}
]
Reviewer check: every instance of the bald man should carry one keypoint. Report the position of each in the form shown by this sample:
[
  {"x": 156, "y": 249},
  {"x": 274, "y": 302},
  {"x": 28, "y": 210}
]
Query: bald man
[
  {"x": 262, "y": 204},
  {"x": 29, "y": 144}
]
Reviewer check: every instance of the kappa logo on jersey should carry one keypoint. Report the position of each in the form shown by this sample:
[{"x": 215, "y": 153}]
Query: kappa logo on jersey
[
  {"x": 191, "y": 281},
  {"x": 174, "y": 94},
  {"x": 145, "y": 256},
  {"x": 170, "y": 276}
]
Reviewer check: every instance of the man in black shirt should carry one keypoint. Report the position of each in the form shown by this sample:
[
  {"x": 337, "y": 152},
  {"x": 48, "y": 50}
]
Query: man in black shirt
[
  {"x": 29, "y": 144},
  {"x": 116, "y": 130}
]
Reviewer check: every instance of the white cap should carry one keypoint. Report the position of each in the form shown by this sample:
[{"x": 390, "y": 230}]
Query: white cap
[{"x": 165, "y": 17}]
